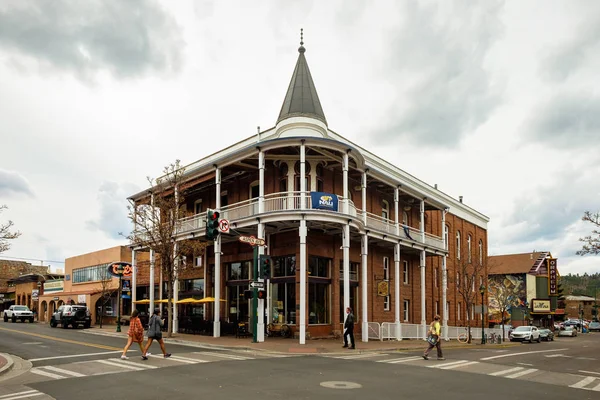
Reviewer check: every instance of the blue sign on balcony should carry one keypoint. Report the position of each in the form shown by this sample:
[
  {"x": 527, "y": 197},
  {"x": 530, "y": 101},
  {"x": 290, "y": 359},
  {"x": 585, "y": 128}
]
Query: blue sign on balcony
[{"x": 324, "y": 201}]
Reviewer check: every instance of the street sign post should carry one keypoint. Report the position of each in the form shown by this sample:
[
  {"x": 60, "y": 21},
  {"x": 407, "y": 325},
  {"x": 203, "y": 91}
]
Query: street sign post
[
  {"x": 223, "y": 226},
  {"x": 257, "y": 285},
  {"x": 254, "y": 242}
]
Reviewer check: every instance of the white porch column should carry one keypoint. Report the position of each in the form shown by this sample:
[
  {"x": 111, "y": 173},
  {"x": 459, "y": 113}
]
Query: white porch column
[
  {"x": 346, "y": 263},
  {"x": 175, "y": 290},
  {"x": 422, "y": 265},
  {"x": 302, "y": 176},
  {"x": 396, "y": 210},
  {"x": 260, "y": 334},
  {"x": 444, "y": 280},
  {"x": 151, "y": 285},
  {"x": 422, "y": 221},
  {"x": 302, "y": 316},
  {"x": 364, "y": 196},
  {"x": 133, "y": 280},
  {"x": 217, "y": 247},
  {"x": 397, "y": 291},
  {"x": 364, "y": 283},
  {"x": 345, "y": 180}
]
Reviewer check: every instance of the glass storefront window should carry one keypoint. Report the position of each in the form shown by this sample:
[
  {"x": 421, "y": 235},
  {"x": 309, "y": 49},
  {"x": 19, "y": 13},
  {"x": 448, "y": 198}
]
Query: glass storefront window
[
  {"x": 283, "y": 303},
  {"x": 239, "y": 271},
  {"x": 353, "y": 302},
  {"x": 190, "y": 285},
  {"x": 353, "y": 270},
  {"x": 284, "y": 266},
  {"x": 318, "y": 266},
  {"x": 318, "y": 303},
  {"x": 238, "y": 306}
]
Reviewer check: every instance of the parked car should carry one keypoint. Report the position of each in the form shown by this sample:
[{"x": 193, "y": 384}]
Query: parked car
[
  {"x": 18, "y": 312},
  {"x": 594, "y": 326},
  {"x": 546, "y": 334},
  {"x": 568, "y": 331},
  {"x": 525, "y": 333},
  {"x": 71, "y": 315}
]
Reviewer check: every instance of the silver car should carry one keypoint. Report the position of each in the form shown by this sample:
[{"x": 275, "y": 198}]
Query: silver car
[{"x": 525, "y": 334}]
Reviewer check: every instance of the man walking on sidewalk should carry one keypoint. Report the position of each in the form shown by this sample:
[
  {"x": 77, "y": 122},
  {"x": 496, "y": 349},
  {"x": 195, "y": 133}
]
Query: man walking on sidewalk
[{"x": 349, "y": 328}]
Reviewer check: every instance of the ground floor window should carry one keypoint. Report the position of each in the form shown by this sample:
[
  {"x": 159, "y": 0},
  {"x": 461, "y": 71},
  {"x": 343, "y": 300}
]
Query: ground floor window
[
  {"x": 283, "y": 302},
  {"x": 239, "y": 310},
  {"x": 319, "y": 311},
  {"x": 353, "y": 301},
  {"x": 406, "y": 310}
]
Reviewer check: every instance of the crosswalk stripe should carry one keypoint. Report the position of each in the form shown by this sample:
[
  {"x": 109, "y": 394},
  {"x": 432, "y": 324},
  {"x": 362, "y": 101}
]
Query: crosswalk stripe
[
  {"x": 229, "y": 356},
  {"x": 181, "y": 359},
  {"x": 17, "y": 394},
  {"x": 399, "y": 360},
  {"x": 584, "y": 382},
  {"x": 447, "y": 364},
  {"x": 460, "y": 365},
  {"x": 506, "y": 371},
  {"x": 120, "y": 365},
  {"x": 46, "y": 374},
  {"x": 358, "y": 356},
  {"x": 133, "y": 364},
  {"x": 521, "y": 373},
  {"x": 63, "y": 371},
  {"x": 596, "y": 388}
]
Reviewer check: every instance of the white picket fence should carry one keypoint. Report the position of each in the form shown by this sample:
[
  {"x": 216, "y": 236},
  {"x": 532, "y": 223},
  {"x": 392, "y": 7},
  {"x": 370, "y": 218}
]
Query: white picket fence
[{"x": 387, "y": 330}]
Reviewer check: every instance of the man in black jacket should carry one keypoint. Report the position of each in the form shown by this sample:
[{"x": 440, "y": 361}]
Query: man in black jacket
[{"x": 349, "y": 328}]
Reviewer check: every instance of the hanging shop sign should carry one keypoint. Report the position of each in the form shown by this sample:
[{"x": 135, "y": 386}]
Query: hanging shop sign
[
  {"x": 113, "y": 269},
  {"x": 540, "y": 306},
  {"x": 552, "y": 277},
  {"x": 324, "y": 201},
  {"x": 383, "y": 288}
]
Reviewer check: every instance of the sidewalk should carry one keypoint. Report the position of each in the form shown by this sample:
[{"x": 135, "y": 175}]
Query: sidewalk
[
  {"x": 6, "y": 363},
  {"x": 282, "y": 345}
]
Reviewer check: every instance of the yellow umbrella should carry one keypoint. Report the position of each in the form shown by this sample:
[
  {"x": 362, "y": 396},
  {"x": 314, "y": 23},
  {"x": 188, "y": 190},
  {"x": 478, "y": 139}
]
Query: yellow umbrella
[
  {"x": 163, "y": 301},
  {"x": 187, "y": 301},
  {"x": 145, "y": 301},
  {"x": 209, "y": 300}
]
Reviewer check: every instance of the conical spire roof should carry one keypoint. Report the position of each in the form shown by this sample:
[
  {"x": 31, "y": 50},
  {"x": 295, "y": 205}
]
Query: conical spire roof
[{"x": 301, "y": 99}]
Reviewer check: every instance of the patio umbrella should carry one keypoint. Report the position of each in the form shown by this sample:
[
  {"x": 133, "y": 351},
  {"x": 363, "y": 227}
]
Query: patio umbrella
[
  {"x": 209, "y": 300},
  {"x": 145, "y": 301},
  {"x": 163, "y": 301},
  {"x": 187, "y": 301}
]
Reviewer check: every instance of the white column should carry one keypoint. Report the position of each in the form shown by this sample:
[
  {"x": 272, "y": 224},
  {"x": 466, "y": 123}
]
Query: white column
[
  {"x": 302, "y": 176},
  {"x": 133, "y": 280},
  {"x": 260, "y": 333},
  {"x": 397, "y": 210},
  {"x": 423, "y": 221},
  {"x": 151, "y": 284},
  {"x": 364, "y": 196},
  {"x": 345, "y": 180},
  {"x": 346, "y": 263},
  {"x": 217, "y": 247},
  {"x": 205, "y": 266},
  {"x": 397, "y": 291},
  {"x": 444, "y": 279},
  {"x": 364, "y": 292},
  {"x": 160, "y": 284},
  {"x": 175, "y": 290},
  {"x": 302, "y": 317},
  {"x": 423, "y": 311}
]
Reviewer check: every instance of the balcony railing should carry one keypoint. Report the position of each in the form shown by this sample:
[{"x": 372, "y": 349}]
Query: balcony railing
[{"x": 291, "y": 201}]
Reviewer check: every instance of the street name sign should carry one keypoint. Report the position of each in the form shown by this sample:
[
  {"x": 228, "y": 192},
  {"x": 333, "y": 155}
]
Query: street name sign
[{"x": 251, "y": 240}]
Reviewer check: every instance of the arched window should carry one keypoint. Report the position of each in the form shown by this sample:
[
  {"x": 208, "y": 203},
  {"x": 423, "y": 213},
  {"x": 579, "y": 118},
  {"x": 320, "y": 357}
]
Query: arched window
[
  {"x": 385, "y": 209},
  {"x": 469, "y": 249},
  {"x": 458, "y": 245},
  {"x": 480, "y": 252}
]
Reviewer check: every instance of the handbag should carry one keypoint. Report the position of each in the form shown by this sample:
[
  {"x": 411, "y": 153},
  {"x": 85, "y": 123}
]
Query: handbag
[{"x": 432, "y": 340}]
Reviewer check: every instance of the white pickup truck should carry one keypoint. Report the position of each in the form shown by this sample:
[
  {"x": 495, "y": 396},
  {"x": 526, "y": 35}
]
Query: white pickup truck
[{"x": 18, "y": 312}]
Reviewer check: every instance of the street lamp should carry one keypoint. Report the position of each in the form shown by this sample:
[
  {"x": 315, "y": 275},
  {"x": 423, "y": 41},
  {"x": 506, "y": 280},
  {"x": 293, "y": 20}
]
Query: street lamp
[
  {"x": 482, "y": 291},
  {"x": 38, "y": 308},
  {"x": 120, "y": 270}
]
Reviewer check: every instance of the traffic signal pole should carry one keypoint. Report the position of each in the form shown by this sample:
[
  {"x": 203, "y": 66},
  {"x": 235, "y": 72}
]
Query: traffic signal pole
[{"x": 255, "y": 298}]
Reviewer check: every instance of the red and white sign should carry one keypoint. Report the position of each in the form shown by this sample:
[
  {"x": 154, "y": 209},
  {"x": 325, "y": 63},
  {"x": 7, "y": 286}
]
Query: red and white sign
[
  {"x": 224, "y": 226},
  {"x": 251, "y": 240}
]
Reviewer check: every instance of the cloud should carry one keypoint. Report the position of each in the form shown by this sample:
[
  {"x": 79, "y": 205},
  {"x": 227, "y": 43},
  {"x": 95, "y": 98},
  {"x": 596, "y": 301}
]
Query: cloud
[
  {"x": 568, "y": 120},
  {"x": 437, "y": 58},
  {"x": 125, "y": 38},
  {"x": 13, "y": 183},
  {"x": 113, "y": 210}
]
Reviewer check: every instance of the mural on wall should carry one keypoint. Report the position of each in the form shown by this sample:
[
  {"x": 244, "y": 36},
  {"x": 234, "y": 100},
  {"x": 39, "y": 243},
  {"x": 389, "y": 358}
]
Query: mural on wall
[{"x": 509, "y": 290}]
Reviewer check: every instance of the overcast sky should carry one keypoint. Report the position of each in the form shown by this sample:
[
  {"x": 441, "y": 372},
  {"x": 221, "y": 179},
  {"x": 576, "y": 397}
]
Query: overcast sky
[{"x": 496, "y": 101}]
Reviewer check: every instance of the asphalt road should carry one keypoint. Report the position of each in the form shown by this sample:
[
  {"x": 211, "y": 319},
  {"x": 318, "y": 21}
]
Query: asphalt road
[{"x": 69, "y": 364}]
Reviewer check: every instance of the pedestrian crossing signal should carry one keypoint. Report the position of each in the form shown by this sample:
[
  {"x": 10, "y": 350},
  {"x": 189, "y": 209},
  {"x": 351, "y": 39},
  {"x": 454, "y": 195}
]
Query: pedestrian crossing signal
[
  {"x": 262, "y": 294},
  {"x": 265, "y": 263}
]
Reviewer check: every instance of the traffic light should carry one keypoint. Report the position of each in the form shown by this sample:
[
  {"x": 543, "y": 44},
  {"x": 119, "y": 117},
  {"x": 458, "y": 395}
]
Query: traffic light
[
  {"x": 248, "y": 294},
  {"x": 262, "y": 294},
  {"x": 265, "y": 263},
  {"x": 212, "y": 224}
]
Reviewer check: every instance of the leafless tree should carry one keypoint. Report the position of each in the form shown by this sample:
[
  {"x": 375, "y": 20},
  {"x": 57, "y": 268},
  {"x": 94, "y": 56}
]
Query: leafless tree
[
  {"x": 156, "y": 220},
  {"x": 105, "y": 281},
  {"x": 591, "y": 242},
  {"x": 5, "y": 233}
]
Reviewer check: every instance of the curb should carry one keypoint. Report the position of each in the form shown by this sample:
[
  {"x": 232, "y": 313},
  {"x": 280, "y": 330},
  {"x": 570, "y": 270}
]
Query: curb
[{"x": 9, "y": 363}]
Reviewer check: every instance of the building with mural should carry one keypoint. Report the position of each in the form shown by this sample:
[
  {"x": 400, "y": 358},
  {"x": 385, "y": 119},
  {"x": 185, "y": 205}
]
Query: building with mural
[
  {"x": 344, "y": 228},
  {"x": 525, "y": 287}
]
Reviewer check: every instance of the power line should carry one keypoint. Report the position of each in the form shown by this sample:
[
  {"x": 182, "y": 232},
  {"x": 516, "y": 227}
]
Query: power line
[{"x": 32, "y": 259}]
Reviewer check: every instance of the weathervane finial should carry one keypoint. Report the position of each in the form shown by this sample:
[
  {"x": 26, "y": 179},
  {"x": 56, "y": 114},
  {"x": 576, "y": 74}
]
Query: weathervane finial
[{"x": 301, "y": 49}]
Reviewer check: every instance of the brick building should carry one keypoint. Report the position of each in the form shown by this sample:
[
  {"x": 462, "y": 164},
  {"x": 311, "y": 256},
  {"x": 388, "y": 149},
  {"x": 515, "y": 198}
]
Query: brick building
[
  {"x": 9, "y": 271},
  {"x": 343, "y": 227}
]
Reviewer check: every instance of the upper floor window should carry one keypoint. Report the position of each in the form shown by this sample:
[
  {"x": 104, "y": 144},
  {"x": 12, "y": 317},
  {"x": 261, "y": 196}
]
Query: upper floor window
[
  {"x": 469, "y": 249},
  {"x": 318, "y": 266},
  {"x": 405, "y": 272},
  {"x": 446, "y": 237},
  {"x": 458, "y": 245},
  {"x": 385, "y": 209},
  {"x": 254, "y": 189},
  {"x": 386, "y": 268},
  {"x": 91, "y": 274},
  {"x": 404, "y": 218},
  {"x": 435, "y": 277},
  {"x": 198, "y": 206},
  {"x": 480, "y": 252}
]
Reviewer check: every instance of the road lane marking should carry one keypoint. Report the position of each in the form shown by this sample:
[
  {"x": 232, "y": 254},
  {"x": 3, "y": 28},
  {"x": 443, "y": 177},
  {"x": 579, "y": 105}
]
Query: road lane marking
[
  {"x": 505, "y": 371},
  {"x": 589, "y": 372},
  {"x": 447, "y": 364},
  {"x": 134, "y": 364},
  {"x": 460, "y": 365},
  {"x": 595, "y": 389},
  {"x": 46, "y": 373},
  {"x": 74, "y": 355},
  {"x": 17, "y": 394},
  {"x": 357, "y": 356},
  {"x": 55, "y": 339},
  {"x": 180, "y": 359},
  {"x": 63, "y": 371},
  {"x": 584, "y": 382},
  {"x": 519, "y": 354},
  {"x": 521, "y": 373},
  {"x": 529, "y": 365},
  {"x": 399, "y": 360},
  {"x": 31, "y": 343},
  {"x": 118, "y": 364},
  {"x": 229, "y": 356}
]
